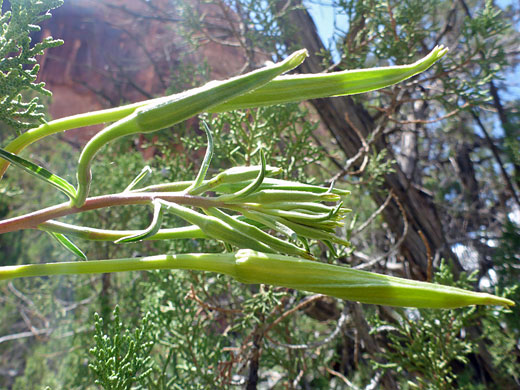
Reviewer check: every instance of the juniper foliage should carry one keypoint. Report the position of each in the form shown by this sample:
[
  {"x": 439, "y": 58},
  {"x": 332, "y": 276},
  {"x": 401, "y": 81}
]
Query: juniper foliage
[
  {"x": 121, "y": 358},
  {"x": 18, "y": 65}
]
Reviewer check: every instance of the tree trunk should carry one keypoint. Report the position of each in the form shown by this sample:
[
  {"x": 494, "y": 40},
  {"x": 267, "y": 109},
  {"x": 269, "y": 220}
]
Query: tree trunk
[{"x": 337, "y": 114}]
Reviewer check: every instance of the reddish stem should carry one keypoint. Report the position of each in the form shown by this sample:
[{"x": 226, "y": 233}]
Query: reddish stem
[{"x": 32, "y": 220}]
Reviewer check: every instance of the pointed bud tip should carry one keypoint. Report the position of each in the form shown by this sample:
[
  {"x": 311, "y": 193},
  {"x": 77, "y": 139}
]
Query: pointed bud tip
[
  {"x": 297, "y": 58},
  {"x": 440, "y": 51},
  {"x": 495, "y": 300}
]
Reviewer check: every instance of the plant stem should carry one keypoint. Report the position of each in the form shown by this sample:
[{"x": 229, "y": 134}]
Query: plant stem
[
  {"x": 221, "y": 263},
  {"x": 68, "y": 123},
  {"x": 32, "y": 220},
  {"x": 113, "y": 235}
]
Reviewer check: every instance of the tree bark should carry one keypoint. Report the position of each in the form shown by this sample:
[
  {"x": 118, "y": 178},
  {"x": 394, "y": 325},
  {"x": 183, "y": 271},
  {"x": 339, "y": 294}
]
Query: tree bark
[{"x": 337, "y": 114}]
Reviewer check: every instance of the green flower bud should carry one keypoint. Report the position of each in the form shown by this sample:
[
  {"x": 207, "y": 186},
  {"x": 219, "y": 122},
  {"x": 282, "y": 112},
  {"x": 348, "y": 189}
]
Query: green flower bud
[
  {"x": 280, "y": 184},
  {"x": 297, "y": 206},
  {"x": 228, "y": 181},
  {"x": 289, "y": 195},
  {"x": 354, "y": 285},
  {"x": 315, "y": 232},
  {"x": 217, "y": 228},
  {"x": 255, "y": 233}
]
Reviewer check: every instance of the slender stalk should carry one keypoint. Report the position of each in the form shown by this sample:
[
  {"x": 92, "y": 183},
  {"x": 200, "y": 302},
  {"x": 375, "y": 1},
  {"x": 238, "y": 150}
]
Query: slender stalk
[
  {"x": 68, "y": 123},
  {"x": 94, "y": 234},
  {"x": 221, "y": 263}
]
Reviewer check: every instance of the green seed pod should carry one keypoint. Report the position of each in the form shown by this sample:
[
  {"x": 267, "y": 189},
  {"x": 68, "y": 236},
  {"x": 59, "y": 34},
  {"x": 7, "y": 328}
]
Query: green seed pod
[{"x": 354, "y": 285}]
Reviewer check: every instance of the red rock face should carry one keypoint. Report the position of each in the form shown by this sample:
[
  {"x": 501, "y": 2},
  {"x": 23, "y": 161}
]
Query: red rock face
[{"x": 122, "y": 51}]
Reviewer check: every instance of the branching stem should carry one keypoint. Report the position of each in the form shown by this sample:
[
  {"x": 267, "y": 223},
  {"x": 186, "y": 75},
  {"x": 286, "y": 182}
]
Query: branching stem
[{"x": 32, "y": 220}]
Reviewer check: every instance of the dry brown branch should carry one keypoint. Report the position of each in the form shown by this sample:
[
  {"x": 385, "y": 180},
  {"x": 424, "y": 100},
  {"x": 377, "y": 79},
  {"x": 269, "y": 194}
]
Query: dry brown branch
[
  {"x": 299, "y": 306},
  {"x": 373, "y": 215},
  {"x": 339, "y": 325},
  {"x": 193, "y": 295},
  {"x": 429, "y": 121},
  {"x": 395, "y": 247},
  {"x": 429, "y": 272}
]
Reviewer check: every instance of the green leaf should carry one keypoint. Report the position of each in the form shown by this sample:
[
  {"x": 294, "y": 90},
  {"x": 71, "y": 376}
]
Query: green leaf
[
  {"x": 40, "y": 172},
  {"x": 257, "y": 182},
  {"x": 144, "y": 172},
  {"x": 251, "y": 187},
  {"x": 205, "y": 163},
  {"x": 69, "y": 245},
  {"x": 154, "y": 227}
]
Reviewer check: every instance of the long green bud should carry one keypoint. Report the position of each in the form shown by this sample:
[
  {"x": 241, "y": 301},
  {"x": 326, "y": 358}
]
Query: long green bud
[
  {"x": 286, "y": 89},
  {"x": 175, "y": 109},
  {"x": 291, "y": 88},
  {"x": 353, "y": 285},
  {"x": 248, "y": 266}
]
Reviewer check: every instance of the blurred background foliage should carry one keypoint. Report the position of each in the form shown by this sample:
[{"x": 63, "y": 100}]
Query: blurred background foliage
[{"x": 433, "y": 165}]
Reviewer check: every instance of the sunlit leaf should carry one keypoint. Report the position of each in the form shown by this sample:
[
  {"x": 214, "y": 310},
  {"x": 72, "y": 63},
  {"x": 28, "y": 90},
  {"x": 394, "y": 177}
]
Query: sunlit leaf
[
  {"x": 40, "y": 172},
  {"x": 69, "y": 245},
  {"x": 152, "y": 229}
]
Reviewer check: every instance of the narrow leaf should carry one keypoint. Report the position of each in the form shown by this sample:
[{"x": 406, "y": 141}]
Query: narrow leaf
[
  {"x": 144, "y": 172},
  {"x": 205, "y": 163},
  {"x": 154, "y": 227},
  {"x": 40, "y": 172},
  {"x": 252, "y": 187},
  {"x": 69, "y": 245}
]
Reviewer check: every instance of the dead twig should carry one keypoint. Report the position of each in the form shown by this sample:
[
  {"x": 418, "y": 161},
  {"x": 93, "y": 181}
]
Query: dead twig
[
  {"x": 339, "y": 325},
  {"x": 299, "y": 306},
  {"x": 193, "y": 295},
  {"x": 395, "y": 247},
  {"x": 374, "y": 214},
  {"x": 429, "y": 271}
]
